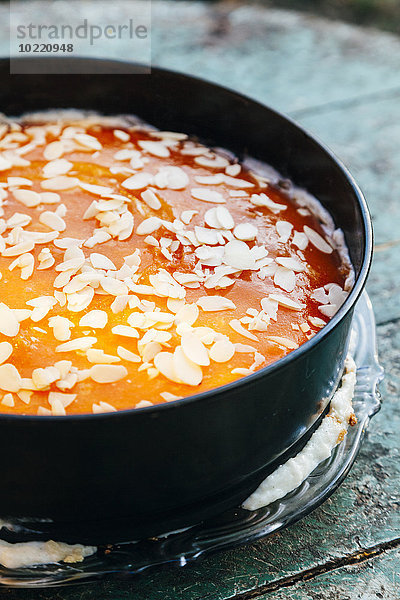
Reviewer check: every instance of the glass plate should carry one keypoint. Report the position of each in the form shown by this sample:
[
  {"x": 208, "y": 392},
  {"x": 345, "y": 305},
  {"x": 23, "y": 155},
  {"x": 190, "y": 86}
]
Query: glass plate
[{"x": 236, "y": 526}]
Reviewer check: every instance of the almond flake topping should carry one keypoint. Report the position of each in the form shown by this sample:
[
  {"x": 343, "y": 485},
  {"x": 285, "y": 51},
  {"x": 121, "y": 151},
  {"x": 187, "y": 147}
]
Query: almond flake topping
[
  {"x": 165, "y": 364},
  {"x": 222, "y": 351},
  {"x": 187, "y": 216},
  {"x": 238, "y": 327},
  {"x": 88, "y": 141},
  {"x": 173, "y": 178},
  {"x": 196, "y": 259},
  {"x": 19, "y": 249},
  {"x": 284, "y": 229},
  {"x": 61, "y": 328},
  {"x": 108, "y": 373},
  {"x": 95, "y": 319},
  {"x": 121, "y": 135},
  {"x": 291, "y": 263},
  {"x": 155, "y": 148},
  {"x": 10, "y": 379},
  {"x": 41, "y": 306},
  {"x": 128, "y": 355},
  {"x": 286, "y": 301},
  {"x": 18, "y": 181},
  {"x": 207, "y": 195},
  {"x": 285, "y": 278},
  {"x": 237, "y": 254},
  {"x": 8, "y": 400},
  {"x": 59, "y": 397},
  {"x": 283, "y": 341},
  {"x": 97, "y": 356},
  {"x": 42, "y": 378},
  {"x": 213, "y": 162},
  {"x": 100, "y": 261},
  {"x": 245, "y": 231},
  {"x": 58, "y": 166},
  {"x": 82, "y": 343},
  {"x": 149, "y": 225},
  {"x": 188, "y": 372},
  {"x": 54, "y": 150},
  {"x": 264, "y": 201},
  {"x": 59, "y": 183},
  {"x": 194, "y": 349},
  {"x": 215, "y": 303},
  {"x": 151, "y": 199},
  {"x": 28, "y": 198},
  {"x": 125, "y": 330},
  {"x": 9, "y": 324},
  {"x": 102, "y": 407},
  {"x": 137, "y": 181},
  {"x": 317, "y": 240},
  {"x": 52, "y": 220},
  {"x": 6, "y": 350}
]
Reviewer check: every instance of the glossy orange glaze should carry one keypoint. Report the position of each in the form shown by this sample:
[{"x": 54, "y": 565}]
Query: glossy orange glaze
[{"x": 35, "y": 344}]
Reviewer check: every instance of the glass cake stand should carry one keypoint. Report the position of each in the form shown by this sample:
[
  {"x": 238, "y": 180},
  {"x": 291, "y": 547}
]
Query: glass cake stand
[{"x": 237, "y": 526}]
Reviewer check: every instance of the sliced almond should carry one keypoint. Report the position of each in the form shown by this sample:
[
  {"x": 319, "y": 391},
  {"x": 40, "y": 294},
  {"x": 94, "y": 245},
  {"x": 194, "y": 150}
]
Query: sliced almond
[
  {"x": 64, "y": 399},
  {"x": 125, "y": 330},
  {"x": 61, "y": 327},
  {"x": 114, "y": 286},
  {"x": 52, "y": 220},
  {"x": 317, "y": 240},
  {"x": 108, "y": 373},
  {"x": 284, "y": 229},
  {"x": 300, "y": 240},
  {"x": 222, "y": 351},
  {"x": 165, "y": 364},
  {"x": 245, "y": 231},
  {"x": 187, "y": 371},
  {"x": 8, "y": 400},
  {"x": 207, "y": 195},
  {"x": 171, "y": 177},
  {"x": 138, "y": 181},
  {"x": 97, "y": 356},
  {"x": 124, "y": 136},
  {"x": 89, "y": 141},
  {"x": 54, "y": 150},
  {"x": 128, "y": 355},
  {"x": 19, "y": 249},
  {"x": 215, "y": 303},
  {"x": 28, "y": 198},
  {"x": 188, "y": 314},
  {"x": 9, "y": 324},
  {"x": 96, "y": 319},
  {"x": 42, "y": 378},
  {"x": 10, "y": 379},
  {"x": 82, "y": 343},
  {"x": 6, "y": 350},
  {"x": 291, "y": 263},
  {"x": 60, "y": 183},
  {"x": 149, "y": 225},
  {"x": 238, "y": 327},
  {"x": 154, "y": 148},
  {"x": 149, "y": 197},
  {"x": 285, "y": 278},
  {"x": 283, "y": 341},
  {"x": 286, "y": 302},
  {"x": 58, "y": 166},
  {"x": 194, "y": 349},
  {"x": 237, "y": 254},
  {"x": 213, "y": 162}
]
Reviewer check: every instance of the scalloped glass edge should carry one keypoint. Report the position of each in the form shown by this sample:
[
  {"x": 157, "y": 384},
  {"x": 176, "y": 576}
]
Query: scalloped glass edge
[{"x": 237, "y": 526}]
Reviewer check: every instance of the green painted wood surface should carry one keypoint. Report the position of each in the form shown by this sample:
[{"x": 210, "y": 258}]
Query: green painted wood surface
[{"x": 343, "y": 83}]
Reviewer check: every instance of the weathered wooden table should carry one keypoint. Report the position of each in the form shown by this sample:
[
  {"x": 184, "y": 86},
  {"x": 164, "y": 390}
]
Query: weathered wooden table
[{"x": 343, "y": 84}]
